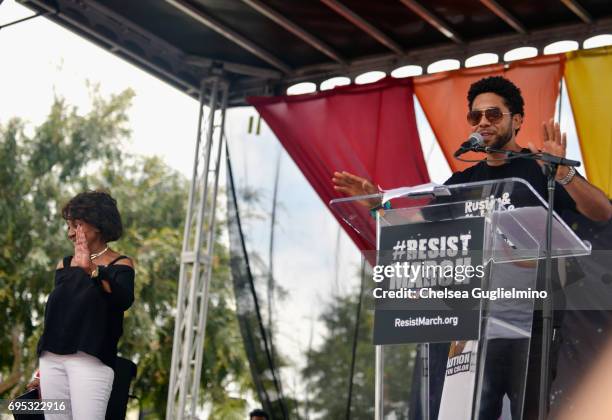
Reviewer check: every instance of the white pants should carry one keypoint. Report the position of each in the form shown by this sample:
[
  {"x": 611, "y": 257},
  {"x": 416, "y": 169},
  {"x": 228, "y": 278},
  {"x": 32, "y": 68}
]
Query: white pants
[{"x": 81, "y": 378}]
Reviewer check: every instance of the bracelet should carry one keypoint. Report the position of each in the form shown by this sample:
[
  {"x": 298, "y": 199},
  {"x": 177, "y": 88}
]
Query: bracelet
[
  {"x": 374, "y": 210},
  {"x": 568, "y": 178}
]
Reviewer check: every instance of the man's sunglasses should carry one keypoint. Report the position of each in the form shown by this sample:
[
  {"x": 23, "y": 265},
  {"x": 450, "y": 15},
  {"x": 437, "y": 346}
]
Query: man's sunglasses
[{"x": 493, "y": 115}]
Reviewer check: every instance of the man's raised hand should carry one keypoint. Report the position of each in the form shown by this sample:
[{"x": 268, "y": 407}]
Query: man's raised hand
[
  {"x": 555, "y": 143},
  {"x": 354, "y": 185}
]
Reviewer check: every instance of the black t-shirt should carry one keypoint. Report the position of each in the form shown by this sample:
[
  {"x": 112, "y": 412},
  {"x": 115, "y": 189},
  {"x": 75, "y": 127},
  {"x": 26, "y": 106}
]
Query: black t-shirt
[
  {"x": 527, "y": 169},
  {"x": 81, "y": 316},
  {"x": 530, "y": 171}
]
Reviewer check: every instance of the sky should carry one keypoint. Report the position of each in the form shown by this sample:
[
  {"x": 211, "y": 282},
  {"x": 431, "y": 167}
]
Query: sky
[{"x": 41, "y": 59}]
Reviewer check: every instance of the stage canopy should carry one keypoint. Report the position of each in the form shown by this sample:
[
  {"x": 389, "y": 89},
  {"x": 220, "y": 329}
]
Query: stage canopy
[{"x": 263, "y": 46}]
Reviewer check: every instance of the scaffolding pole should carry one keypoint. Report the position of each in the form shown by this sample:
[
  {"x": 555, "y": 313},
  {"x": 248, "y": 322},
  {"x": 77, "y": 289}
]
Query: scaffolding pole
[{"x": 197, "y": 256}]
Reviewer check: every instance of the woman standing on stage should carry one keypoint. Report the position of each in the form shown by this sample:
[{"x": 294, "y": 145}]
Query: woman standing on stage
[{"x": 84, "y": 312}]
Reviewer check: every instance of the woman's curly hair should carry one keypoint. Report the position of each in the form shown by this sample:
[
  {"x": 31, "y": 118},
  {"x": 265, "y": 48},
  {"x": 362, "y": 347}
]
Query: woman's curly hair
[{"x": 97, "y": 208}]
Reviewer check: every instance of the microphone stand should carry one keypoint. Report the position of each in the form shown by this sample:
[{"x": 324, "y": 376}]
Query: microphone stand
[{"x": 551, "y": 164}]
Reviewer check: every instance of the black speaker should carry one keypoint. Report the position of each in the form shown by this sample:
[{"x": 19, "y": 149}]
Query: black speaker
[{"x": 125, "y": 372}]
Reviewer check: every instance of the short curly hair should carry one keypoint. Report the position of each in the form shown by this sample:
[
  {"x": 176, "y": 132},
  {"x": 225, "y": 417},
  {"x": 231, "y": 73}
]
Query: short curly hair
[
  {"x": 502, "y": 87},
  {"x": 258, "y": 412},
  {"x": 99, "y": 209}
]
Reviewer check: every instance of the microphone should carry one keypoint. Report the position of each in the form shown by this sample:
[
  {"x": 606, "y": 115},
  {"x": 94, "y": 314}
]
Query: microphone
[{"x": 473, "y": 144}]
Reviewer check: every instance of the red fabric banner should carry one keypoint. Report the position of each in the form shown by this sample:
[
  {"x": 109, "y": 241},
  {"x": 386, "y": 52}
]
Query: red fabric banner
[
  {"x": 443, "y": 97},
  {"x": 369, "y": 130}
]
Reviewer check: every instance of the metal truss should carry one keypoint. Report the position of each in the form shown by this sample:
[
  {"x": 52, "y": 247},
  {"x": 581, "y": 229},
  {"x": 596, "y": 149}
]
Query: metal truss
[{"x": 197, "y": 256}]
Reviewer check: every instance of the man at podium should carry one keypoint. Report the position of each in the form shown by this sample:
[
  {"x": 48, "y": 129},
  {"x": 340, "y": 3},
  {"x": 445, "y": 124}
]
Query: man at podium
[{"x": 496, "y": 111}]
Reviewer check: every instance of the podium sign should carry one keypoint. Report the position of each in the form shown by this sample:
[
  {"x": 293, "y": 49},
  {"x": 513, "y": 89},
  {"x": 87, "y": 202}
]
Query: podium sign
[{"x": 438, "y": 267}]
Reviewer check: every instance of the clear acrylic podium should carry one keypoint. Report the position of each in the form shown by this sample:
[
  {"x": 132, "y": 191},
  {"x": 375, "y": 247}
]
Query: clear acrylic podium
[{"x": 512, "y": 216}]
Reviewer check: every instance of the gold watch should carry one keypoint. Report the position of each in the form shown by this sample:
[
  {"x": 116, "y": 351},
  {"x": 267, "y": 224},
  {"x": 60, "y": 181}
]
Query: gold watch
[{"x": 94, "y": 274}]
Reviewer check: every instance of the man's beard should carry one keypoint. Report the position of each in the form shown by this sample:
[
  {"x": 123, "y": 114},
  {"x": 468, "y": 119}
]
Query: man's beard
[{"x": 502, "y": 139}]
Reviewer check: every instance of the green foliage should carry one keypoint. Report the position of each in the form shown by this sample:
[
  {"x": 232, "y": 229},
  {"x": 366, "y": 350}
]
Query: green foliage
[
  {"x": 39, "y": 172},
  {"x": 328, "y": 366}
]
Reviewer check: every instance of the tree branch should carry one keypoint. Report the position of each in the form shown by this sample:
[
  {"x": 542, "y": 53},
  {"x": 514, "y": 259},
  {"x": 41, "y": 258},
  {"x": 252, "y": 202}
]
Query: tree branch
[{"x": 15, "y": 376}]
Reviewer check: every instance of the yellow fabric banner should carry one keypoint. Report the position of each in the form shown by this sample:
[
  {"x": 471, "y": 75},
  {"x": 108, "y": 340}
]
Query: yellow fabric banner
[{"x": 588, "y": 74}]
